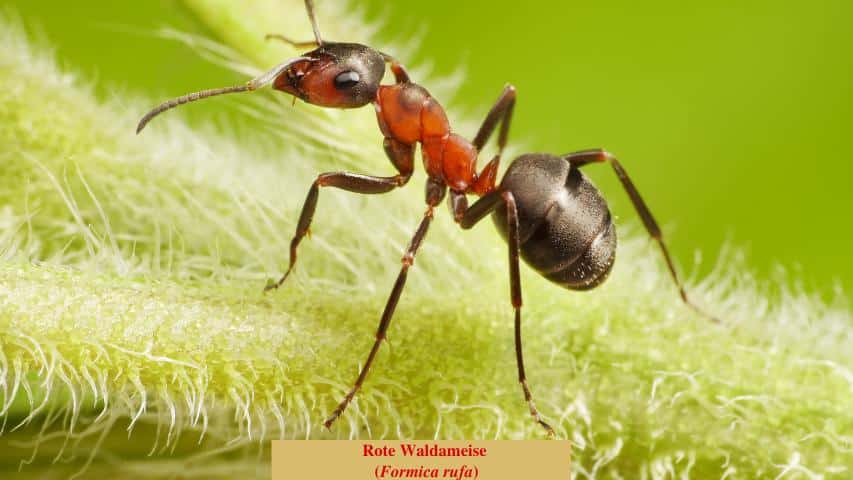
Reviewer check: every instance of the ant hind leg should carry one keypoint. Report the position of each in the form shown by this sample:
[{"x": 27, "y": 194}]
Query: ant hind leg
[
  {"x": 482, "y": 207},
  {"x": 584, "y": 157}
]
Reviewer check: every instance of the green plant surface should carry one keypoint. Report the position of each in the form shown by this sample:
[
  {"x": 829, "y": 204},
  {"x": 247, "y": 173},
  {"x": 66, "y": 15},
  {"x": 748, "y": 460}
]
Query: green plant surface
[{"x": 135, "y": 340}]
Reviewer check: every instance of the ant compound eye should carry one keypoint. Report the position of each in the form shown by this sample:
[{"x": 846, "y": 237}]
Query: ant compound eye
[{"x": 346, "y": 80}]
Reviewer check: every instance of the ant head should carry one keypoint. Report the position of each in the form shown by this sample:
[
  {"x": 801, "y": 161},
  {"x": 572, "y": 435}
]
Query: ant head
[{"x": 336, "y": 75}]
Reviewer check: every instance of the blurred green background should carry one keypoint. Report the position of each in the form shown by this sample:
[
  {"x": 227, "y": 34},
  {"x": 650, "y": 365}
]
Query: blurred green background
[{"x": 732, "y": 117}]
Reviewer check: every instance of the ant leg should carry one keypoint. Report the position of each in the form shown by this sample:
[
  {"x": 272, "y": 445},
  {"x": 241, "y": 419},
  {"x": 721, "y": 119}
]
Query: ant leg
[
  {"x": 292, "y": 43},
  {"x": 470, "y": 216},
  {"x": 500, "y": 112},
  {"x": 309, "y": 7},
  {"x": 397, "y": 68},
  {"x": 475, "y": 213},
  {"x": 317, "y": 42},
  {"x": 515, "y": 289},
  {"x": 515, "y": 294},
  {"x": 401, "y": 157},
  {"x": 435, "y": 192},
  {"x": 351, "y": 182},
  {"x": 583, "y": 157}
]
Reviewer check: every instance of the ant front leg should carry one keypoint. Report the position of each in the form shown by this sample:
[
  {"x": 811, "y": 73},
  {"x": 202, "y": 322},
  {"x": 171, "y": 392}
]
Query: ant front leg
[
  {"x": 500, "y": 112},
  {"x": 317, "y": 42},
  {"x": 479, "y": 210},
  {"x": 435, "y": 192},
  {"x": 401, "y": 156},
  {"x": 293, "y": 43},
  {"x": 583, "y": 157},
  {"x": 397, "y": 68}
]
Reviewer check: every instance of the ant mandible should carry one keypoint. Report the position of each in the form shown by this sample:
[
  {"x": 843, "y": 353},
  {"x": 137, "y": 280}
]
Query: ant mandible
[{"x": 548, "y": 212}]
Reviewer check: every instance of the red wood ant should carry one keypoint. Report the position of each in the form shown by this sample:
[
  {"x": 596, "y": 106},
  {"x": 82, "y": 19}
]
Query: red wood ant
[{"x": 548, "y": 212}]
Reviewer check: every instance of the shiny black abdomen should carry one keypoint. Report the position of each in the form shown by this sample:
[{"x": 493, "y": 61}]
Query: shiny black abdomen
[{"x": 565, "y": 228}]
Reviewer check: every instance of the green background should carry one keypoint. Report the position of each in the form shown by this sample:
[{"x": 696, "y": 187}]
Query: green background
[{"x": 733, "y": 118}]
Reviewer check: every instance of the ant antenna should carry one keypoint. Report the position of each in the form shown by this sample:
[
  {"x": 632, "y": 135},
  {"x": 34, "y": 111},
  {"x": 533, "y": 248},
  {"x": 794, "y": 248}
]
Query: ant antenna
[
  {"x": 309, "y": 5},
  {"x": 249, "y": 86}
]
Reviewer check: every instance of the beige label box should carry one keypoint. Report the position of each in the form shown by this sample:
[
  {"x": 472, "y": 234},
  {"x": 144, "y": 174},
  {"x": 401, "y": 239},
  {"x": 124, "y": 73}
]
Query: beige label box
[{"x": 418, "y": 459}]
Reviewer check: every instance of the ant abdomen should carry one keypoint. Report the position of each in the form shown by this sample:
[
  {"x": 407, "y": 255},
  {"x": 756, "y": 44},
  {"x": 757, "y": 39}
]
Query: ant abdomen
[{"x": 565, "y": 229}]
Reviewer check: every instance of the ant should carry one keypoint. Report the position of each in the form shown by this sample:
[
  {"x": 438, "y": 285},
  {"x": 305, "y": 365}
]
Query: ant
[{"x": 547, "y": 211}]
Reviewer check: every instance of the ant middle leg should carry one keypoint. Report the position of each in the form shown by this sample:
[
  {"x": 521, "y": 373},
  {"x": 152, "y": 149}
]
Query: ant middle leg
[
  {"x": 435, "y": 192},
  {"x": 501, "y": 113},
  {"x": 401, "y": 156},
  {"x": 482, "y": 207},
  {"x": 583, "y": 157}
]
